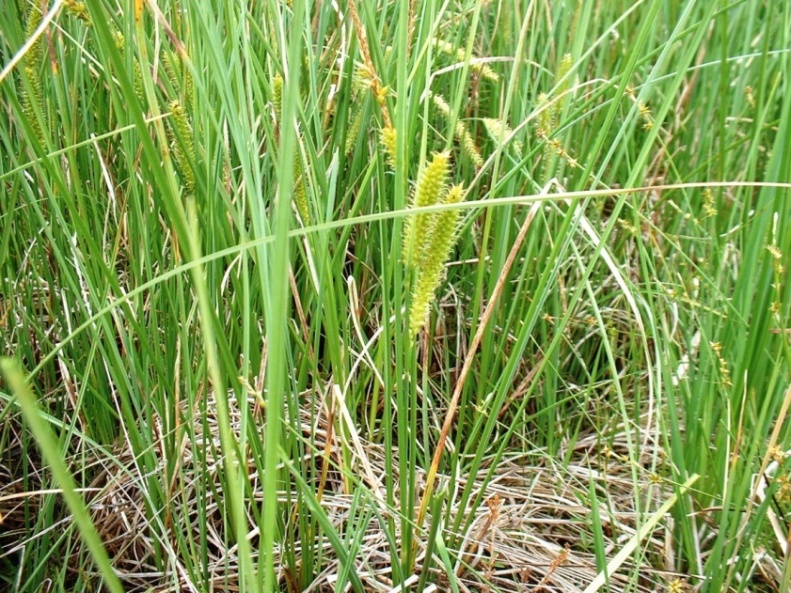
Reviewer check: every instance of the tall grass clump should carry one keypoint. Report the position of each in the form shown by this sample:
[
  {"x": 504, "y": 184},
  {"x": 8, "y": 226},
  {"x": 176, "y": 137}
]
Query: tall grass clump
[{"x": 386, "y": 296}]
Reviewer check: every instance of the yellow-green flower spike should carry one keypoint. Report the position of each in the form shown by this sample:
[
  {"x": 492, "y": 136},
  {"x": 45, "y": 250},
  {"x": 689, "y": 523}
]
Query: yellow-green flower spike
[
  {"x": 32, "y": 68},
  {"x": 36, "y": 52},
  {"x": 28, "y": 101},
  {"x": 178, "y": 75},
  {"x": 443, "y": 235},
  {"x": 79, "y": 10},
  {"x": 482, "y": 70},
  {"x": 548, "y": 120},
  {"x": 389, "y": 138},
  {"x": 498, "y": 131},
  {"x": 545, "y": 122},
  {"x": 429, "y": 191},
  {"x": 544, "y": 127},
  {"x": 138, "y": 82},
  {"x": 300, "y": 194},
  {"x": 468, "y": 144},
  {"x": 184, "y": 151},
  {"x": 137, "y": 73},
  {"x": 189, "y": 86},
  {"x": 441, "y": 104},
  {"x": 169, "y": 65},
  {"x": 277, "y": 96},
  {"x": 466, "y": 140},
  {"x": 354, "y": 130},
  {"x": 564, "y": 67},
  {"x": 361, "y": 79}
]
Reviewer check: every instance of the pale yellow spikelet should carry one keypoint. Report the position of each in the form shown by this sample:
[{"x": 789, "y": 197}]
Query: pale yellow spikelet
[
  {"x": 443, "y": 46},
  {"x": 381, "y": 94},
  {"x": 441, "y": 104},
  {"x": 545, "y": 123},
  {"x": 466, "y": 140},
  {"x": 482, "y": 70},
  {"x": 499, "y": 131},
  {"x": 468, "y": 144}
]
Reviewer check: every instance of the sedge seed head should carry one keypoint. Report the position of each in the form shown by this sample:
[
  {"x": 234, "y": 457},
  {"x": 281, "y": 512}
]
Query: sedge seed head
[
  {"x": 389, "y": 139},
  {"x": 277, "y": 95},
  {"x": 441, "y": 238},
  {"x": 430, "y": 190}
]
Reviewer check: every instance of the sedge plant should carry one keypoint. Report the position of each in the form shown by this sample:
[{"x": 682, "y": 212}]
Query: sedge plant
[{"x": 223, "y": 225}]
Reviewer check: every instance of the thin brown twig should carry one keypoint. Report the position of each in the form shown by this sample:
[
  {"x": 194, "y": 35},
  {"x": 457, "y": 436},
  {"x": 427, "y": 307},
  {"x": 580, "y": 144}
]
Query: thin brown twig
[
  {"x": 494, "y": 503},
  {"x": 554, "y": 565}
]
